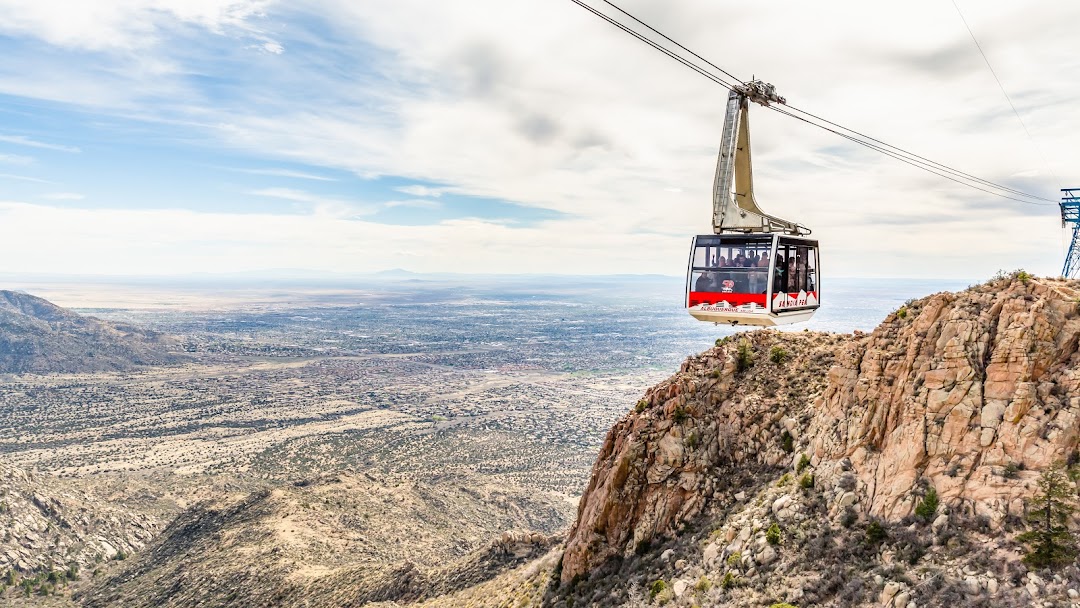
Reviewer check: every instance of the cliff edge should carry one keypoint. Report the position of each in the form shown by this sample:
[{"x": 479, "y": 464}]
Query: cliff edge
[{"x": 971, "y": 394}]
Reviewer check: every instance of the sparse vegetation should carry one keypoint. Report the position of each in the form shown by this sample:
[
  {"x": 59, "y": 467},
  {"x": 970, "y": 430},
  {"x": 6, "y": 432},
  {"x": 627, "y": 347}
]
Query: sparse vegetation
[
  {"x": 744, "y": 358},
  {"x": 734, "y": 559},
  {"x": 641, "y": 405},
  {"x": 729, "y": 581},
  {"x": 703, "y": 584},
  {"x": 875, "y": 533},
  {"x": 806, "y": 481},
  {"x": 849, "y": 517},
  {"x": 1012, "y": 470},
  {"x": 901, "y": 313},
  {"x": 778, "y": 355},
  {"x": 784, "y": 480},
  {"x": 773, "y": 534},
  {"x": 656, "y": 588},
  {"x": 927, "y": 507},
  {"x": 804, "y": 461},
  {"x": 787, "y": 442}
]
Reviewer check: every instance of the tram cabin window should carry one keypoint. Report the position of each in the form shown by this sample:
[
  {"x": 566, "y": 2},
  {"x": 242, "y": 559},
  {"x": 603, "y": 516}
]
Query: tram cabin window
[
  {"x": 796, "y": 267},
  {"x": 724, "y": 266}
]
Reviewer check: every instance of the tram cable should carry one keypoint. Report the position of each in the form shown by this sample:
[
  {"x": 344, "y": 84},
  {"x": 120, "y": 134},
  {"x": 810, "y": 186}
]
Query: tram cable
[
  {"x": 915, "y": 157},
  {"x": 910, "y": 158},
  {"x": 655, "y": 45},
  {"x": 902, "y": 159},
  {"x": 1002, "y": 87}
]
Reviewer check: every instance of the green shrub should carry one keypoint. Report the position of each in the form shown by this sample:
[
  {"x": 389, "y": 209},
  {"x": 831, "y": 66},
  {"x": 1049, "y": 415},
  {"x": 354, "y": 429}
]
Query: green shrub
[
  {"x": 656, "y": 589},
  {"x": 804, "y": 461},
  {"x": 849, "y": 517},
  {"x": 875, "y": 533},
  {"x": 692, "y": 440},
  {"x": 787, "y": 442},
  {"x": 784, "y": 480},
  {"x": 641, "y": 405},
  {"x": 703, "y": 584},
  {"x": 1012, "y": 470},
  {"x": 729, "y": 580},
  {"x": 806, "y": 481},
  {"x": 783, "y": 605},
  {"x": 679, "y": 415},
  {"x": 928, "y": 506},
  {"x": 772, "y": 535},
  {"x": 1023, "y": 276},
  {"x": 745, "y": 357},
  {"x": 734, "y": 559},
  {"x": 778, "y": 355},
  {"x": 902, "y": 312},
  {"x": 714, "y": 373}
]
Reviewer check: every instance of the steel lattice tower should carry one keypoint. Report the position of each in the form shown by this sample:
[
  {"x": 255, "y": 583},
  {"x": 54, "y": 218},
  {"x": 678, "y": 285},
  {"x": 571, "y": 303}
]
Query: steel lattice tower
[{"x": 1070, "y": 218}]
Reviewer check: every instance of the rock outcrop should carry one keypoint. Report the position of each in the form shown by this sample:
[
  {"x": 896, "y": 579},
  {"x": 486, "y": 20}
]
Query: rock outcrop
[
  {"x": 971, "y": 394},
  {"x": 46, "y": 526}
]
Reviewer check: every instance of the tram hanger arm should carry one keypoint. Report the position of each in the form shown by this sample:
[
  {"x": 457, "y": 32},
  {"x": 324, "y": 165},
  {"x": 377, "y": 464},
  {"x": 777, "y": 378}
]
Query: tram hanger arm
[{"x": 734, "y": 207}]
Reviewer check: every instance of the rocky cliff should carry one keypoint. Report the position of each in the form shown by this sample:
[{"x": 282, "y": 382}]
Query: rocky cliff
[
  {"x": 37, "y": 336},
  {"x": 972, "y": 394}
]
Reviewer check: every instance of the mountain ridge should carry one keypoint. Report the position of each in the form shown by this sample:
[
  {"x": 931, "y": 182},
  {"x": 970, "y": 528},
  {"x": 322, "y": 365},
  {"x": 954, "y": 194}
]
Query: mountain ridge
[{"x": 39, "y": 337}]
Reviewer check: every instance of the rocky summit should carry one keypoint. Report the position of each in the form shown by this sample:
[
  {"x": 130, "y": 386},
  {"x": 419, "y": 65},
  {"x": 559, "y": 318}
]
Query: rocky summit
[
  {"x": 38, "y": 337},
  {"x": 787, "y": 467}
]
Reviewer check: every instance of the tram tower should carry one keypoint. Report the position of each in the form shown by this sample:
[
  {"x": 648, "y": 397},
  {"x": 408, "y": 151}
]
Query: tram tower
[{"x": 1070, "y": 218}]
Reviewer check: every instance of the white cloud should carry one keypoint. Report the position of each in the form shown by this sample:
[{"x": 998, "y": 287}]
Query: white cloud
[
  {"x": 286, "y": 173},
  {"x": 22, "y": 140},
  {"x": 63, "y": 196},
  {"x": 321, "y": 205},
  {"x": 16, "y": 159},
  {"x": 120, "y": 24},
  {"x": 419, "y": 190},
  {"x": 24, "y": 178},
  {"x": 545, "y": 105},
  {"x": 415, "y": 203}
]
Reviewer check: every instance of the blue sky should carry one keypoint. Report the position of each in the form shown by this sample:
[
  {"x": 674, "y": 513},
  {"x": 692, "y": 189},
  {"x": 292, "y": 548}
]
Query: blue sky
[{"x": 180, "y": 136}]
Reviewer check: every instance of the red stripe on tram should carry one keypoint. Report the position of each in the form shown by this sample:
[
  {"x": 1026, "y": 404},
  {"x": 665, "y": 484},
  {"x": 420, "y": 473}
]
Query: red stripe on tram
[{"x": 735, "y": 299}]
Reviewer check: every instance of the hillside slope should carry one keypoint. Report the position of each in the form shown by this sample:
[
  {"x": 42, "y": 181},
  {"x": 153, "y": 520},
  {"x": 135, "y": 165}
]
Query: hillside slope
[
  {"x": 37, "y": 336},
  {"x": 341, "y": 540},
  {"x": 972, "y": 394}
]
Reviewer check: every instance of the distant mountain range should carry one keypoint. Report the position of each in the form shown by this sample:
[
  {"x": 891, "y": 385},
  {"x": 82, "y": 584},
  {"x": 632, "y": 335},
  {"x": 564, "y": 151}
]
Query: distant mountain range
[{"x": 39, "y": 337}]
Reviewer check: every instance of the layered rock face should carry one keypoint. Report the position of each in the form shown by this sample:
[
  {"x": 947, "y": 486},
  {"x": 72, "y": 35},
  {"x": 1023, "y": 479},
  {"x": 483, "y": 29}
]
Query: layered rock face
[
  {"x": 971, "y": 393},
  {"x": 962, "y": 390}
]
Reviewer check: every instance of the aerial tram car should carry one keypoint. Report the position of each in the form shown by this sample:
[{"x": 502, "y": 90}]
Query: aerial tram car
[{"x": 755, "y": 269}]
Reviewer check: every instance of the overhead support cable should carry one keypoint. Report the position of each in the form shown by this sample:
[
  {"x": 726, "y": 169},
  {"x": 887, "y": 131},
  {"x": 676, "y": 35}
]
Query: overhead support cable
[
  {"x": 655, "y": 45},
  {"x": 906, "y": 160},
  {"x": 710, "y": 69},
  {"x": 1003, "y": 91}
]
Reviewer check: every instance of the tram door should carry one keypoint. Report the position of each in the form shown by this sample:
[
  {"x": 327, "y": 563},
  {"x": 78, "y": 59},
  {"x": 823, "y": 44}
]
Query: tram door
[{"x": 795, "y": 277}]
